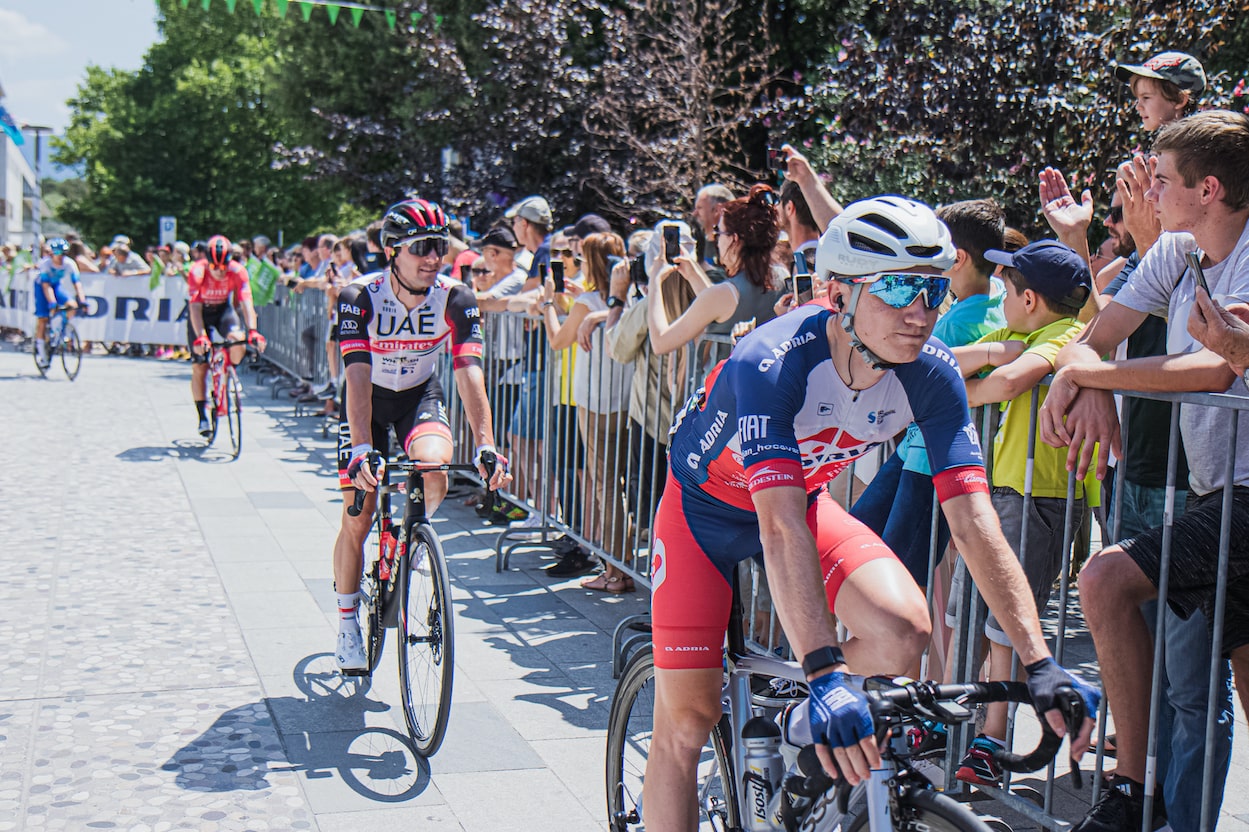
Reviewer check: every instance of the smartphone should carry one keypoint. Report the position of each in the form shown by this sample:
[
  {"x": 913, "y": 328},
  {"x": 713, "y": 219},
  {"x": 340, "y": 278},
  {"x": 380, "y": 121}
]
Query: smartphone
[
  {"x": 672, "y": 242},
  {"x": 542, "y": 272},
  {"x": 804, "y": 287},
  {"x": 637, "y": 271},
  {"x": 776, "y": 159},
  {"x": 557, "y": 275},
  {"x": 465, "y": 269},
  {"x": 1194, "y": 266},
  {"x": 801, "y": 266}
]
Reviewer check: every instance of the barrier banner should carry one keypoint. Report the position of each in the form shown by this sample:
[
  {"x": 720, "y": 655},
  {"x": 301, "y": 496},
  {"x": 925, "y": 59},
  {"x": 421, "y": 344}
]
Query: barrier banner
[{"x": 118, "y": 308}]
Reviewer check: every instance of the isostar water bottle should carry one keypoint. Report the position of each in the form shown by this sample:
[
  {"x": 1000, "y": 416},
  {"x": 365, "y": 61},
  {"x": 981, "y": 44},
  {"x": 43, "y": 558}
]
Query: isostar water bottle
[{"x": 761, "y": 744}]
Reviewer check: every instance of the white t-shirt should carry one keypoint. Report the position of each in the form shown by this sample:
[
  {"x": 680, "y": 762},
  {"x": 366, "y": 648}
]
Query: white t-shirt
[
  {"x": 600, "y": 384},
  {"x": 1162, "y": 285}
]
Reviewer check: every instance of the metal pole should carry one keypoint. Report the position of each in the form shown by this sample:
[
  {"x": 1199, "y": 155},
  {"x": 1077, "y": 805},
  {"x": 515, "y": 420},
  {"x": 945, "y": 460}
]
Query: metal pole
[
  {"x": 1216, "y": 639},
  {"x": 1160, "y": 634}
]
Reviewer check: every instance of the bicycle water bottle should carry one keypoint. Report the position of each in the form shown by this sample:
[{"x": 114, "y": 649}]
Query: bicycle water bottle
[{"x": 761, "y": 743}]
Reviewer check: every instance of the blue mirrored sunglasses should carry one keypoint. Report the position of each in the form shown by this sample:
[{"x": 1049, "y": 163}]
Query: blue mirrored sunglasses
[{"x": 901, "y": 290}]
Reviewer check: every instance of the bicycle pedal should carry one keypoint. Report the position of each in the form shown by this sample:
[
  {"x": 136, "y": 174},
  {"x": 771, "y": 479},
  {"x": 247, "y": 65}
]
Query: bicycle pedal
[{"x": 354, "y": 672}]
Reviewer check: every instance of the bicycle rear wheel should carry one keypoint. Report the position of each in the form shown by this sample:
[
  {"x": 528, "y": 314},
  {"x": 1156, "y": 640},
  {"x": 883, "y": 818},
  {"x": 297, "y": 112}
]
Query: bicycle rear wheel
[
  {"x": 630, "y": 727},
  {"x": 234, "y": 411},
  {"x": 426, "y": 640},
  {"x": 71, "y": 352},
  {"x": 921, "y": 810}
]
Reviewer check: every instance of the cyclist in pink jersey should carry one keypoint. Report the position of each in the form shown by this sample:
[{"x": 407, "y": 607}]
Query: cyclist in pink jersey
[{"x": 211, "y": 284}]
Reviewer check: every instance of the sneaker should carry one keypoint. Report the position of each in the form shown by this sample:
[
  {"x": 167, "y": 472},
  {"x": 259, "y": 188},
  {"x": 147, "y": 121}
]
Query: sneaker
[
  {"x": 978, "y": 765},
  {"x": 573, "y": 564},
  {"x": 927, "y": 740},
  {"x": 350, "y": 653},
  {"x": 528, "y": 529},
  {"x": 1120, "y": 809},
  {"x": 329, "y": 391},
  {"x": 205, "y": 427}
]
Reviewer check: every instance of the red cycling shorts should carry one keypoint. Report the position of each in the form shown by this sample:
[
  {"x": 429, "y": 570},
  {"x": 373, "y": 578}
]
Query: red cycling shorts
[{"x": 700, "y": 540}]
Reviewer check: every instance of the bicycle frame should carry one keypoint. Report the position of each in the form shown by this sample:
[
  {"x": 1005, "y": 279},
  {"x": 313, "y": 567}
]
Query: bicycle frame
[{"x": 220, "y": 367}]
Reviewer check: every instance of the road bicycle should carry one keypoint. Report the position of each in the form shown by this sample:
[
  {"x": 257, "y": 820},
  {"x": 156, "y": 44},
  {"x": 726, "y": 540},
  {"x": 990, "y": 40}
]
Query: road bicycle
[
  {"x": 63, "y": 341},
  {"x": 404, "y": 585},
  {"x": 764, "y": 695},
  {"x": 226, "y": 394}
]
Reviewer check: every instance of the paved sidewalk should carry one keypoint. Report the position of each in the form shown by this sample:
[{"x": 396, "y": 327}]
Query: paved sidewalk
[{"x": 169, "y": 617}]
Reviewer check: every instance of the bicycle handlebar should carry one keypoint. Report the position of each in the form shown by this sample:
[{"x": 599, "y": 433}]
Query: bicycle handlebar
[
  {"x": 945, "y": 703},
  {"x": 488, "y": 461}
]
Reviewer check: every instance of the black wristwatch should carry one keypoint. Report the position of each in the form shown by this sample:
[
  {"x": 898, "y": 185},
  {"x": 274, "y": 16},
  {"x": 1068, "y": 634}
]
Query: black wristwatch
[
  {"x": 822, "y": 657},
  {"x": 613, "y": 302}
]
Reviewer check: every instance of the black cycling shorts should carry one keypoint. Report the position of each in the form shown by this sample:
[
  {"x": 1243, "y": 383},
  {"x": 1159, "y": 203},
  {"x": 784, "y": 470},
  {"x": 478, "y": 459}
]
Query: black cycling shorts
[
  {"x": 417, "y": 412},
  {"x": 1195, "y": 560},
  {"x": 222, "y": 318}
]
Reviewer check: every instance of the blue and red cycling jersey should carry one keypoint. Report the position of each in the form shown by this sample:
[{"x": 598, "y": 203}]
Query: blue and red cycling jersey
[{"x": 777, "y": 413}]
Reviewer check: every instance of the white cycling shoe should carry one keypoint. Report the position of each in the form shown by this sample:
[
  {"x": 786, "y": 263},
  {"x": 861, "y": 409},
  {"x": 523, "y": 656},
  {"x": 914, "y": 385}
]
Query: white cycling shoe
[{"x": 350, "y": 653}]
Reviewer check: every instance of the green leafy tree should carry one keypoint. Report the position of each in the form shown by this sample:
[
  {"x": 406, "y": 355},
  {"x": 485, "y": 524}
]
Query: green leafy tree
[
  {"x": 190, "y": 134},
  {"x": 947, "y": 102}
]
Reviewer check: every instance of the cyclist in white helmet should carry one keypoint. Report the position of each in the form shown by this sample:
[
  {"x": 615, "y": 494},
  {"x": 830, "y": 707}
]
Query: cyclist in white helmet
[{"x": 798, "y": 400}]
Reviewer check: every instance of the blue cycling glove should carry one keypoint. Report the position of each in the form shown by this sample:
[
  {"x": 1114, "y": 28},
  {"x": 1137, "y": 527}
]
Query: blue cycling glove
[
  {"x": 1045, "y": 677},
  {"x": 840, "y": 716}
]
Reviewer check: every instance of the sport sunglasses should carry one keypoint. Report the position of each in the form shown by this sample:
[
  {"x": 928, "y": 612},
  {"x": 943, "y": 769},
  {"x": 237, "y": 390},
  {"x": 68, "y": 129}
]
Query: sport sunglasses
[
  {"x": 423, "y": 246},
  {"x": 900, "y": 290}
]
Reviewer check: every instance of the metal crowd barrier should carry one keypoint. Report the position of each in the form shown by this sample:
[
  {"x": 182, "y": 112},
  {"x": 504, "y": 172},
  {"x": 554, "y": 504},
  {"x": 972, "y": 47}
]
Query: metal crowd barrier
[
  {"x": 606, "y": 501},
  {"x": 295, "y": 327}
]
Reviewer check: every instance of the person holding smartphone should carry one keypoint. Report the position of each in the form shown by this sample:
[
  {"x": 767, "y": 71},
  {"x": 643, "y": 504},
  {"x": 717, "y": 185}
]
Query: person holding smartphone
[{"x": 745, "y": 236}]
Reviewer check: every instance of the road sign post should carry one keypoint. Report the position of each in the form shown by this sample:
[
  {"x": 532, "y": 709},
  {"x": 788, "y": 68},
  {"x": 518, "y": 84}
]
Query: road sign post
[{"x": 168, "y": 230}]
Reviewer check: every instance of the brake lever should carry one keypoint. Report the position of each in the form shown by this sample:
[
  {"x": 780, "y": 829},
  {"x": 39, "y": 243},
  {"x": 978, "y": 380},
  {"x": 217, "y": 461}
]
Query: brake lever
[{"x": 1073, "y": 714}]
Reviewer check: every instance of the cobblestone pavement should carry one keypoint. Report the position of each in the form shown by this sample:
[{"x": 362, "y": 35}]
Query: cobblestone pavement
[{"x": 168, "y": 620}]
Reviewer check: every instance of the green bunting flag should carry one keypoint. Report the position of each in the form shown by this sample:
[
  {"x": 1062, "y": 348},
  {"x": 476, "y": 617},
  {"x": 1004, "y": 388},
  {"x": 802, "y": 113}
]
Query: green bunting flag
[
  {"x": 230, "y": 4},
  {"x": 281, "y": 4},
  {"x": 264, "y": 278},
  {"x": 258, "y": 5},
  {"x": 332, "y": 11},
  {"x": 416, "y": 17},
  {"x": 306, "y": 10},
  {"x": 206, "y": 4},
  {"x": 186, "y": 3},
  {"x": 158, "y": 271},
  {"x": 356, "y": 14},
  {"x": 390, "y": 18}
]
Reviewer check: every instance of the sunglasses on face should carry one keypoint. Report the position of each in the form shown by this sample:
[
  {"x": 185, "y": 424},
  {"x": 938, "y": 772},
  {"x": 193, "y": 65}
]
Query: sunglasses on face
[
  {"x": 561, "y": 252},
  {"x": 425, "y": 245},
  {"x": 901, "y": 290},
  {"x": 1115, "y": 214},
  {"x": 479, "y": 271}
]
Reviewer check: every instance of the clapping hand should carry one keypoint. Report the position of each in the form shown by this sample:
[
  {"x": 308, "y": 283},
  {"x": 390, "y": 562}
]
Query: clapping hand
[{"x": 1068, "y": 218}]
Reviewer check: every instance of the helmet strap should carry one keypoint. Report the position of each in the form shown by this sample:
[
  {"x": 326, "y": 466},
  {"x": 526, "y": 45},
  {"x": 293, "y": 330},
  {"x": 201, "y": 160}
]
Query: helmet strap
[
  {"x": 847, "y": 323},
  {"x": 394, "y": 270}
]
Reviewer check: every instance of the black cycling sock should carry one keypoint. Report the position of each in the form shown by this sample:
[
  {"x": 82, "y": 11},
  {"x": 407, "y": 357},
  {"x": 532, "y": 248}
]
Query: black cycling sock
[{"x": 201, "y": 408}]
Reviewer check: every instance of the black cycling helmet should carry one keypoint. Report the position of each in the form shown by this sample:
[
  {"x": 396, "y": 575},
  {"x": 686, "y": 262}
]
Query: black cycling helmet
[
  {"x": 219, "y": 251},
  {"x": 411, "y": 220}
]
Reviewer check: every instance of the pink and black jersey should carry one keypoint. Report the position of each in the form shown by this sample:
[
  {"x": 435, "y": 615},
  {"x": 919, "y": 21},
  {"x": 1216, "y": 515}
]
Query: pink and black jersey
[
  {"x": 208, "y": 290},
  {"x": 401, "y": 345},
  {"x": 777, "y": 413}
]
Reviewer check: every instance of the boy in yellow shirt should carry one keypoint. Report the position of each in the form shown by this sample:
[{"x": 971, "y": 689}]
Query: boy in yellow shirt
[{"x": 1047, "y": 284}]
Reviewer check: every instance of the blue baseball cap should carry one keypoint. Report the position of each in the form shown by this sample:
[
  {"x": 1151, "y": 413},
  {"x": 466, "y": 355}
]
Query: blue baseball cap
[{"x": 1052, "y": 270}]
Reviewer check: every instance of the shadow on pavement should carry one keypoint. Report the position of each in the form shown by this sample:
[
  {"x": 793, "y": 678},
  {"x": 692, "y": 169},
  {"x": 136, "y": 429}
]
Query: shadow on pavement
[
  {"x": 244, "y": 745},
  {"x": 179, "y": 449}
]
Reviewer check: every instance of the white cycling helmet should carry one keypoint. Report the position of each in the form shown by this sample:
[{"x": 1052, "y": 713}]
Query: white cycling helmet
[{"x": 883, "y": 234}]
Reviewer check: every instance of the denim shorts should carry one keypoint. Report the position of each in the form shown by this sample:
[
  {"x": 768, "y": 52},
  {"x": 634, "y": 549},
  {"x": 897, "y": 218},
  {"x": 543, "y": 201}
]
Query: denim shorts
[{"x": 527, "y": 421}]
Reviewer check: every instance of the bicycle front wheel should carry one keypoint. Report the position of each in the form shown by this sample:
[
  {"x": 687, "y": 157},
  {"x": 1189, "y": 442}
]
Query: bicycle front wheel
[
  {"x": 426, "y": 640},
  {"x": 921, "y": 810},
  {"x": 630, "y": 728},
  {"x": 71, "y": 352},
  {"x": 234, "y": 411}
]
